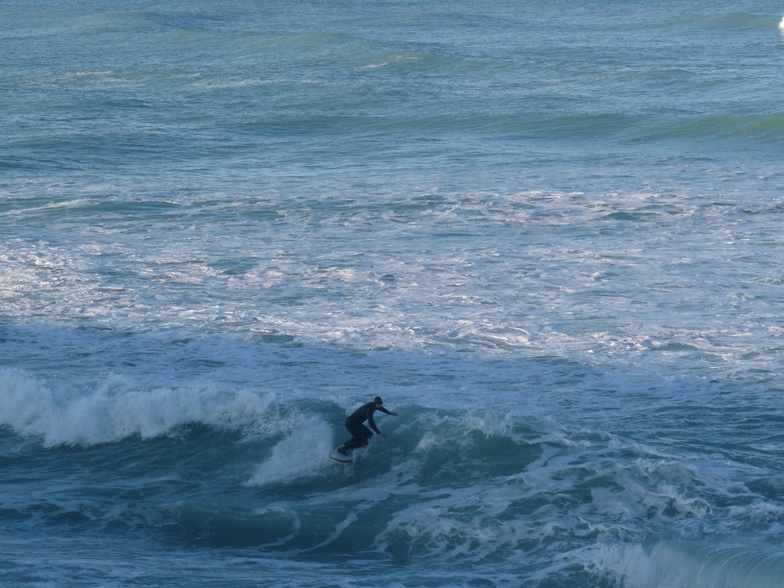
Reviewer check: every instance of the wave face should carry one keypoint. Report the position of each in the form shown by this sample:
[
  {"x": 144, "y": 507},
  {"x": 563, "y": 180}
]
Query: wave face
[{"x": 469, "y": 491}]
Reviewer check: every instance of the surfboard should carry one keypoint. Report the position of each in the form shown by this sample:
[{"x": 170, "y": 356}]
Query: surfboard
[{"x": 337, "y": 456}]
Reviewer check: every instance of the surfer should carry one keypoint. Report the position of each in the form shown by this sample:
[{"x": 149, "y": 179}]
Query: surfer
[{"x": 360, "y": 434}]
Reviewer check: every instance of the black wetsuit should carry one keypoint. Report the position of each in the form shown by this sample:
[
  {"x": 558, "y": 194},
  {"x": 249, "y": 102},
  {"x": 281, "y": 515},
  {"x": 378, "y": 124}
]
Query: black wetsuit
[{"x": 354, "y": 423}]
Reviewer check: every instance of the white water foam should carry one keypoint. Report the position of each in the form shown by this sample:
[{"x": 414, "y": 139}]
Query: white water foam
[{"x": 118, "y": 409}]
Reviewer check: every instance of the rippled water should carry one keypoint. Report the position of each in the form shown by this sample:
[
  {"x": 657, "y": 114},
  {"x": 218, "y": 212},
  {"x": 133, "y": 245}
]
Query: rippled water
[{"x": 548, "y": 234}]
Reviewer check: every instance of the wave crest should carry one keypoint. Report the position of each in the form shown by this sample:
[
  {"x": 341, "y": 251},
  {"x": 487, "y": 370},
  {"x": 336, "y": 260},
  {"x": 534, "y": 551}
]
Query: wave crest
[{"x": 117, "y": 409}]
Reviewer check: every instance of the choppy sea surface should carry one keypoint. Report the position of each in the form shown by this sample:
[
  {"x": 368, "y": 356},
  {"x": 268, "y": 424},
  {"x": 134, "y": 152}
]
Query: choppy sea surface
[{"x": 548, "y": 234}]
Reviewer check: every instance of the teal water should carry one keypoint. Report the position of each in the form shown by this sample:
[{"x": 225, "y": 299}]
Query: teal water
[{"x": 548, "y": 234}]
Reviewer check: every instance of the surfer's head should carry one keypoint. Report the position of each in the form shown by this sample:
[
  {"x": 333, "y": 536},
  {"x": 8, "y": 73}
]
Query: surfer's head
[{"x": 377, "y": 401}]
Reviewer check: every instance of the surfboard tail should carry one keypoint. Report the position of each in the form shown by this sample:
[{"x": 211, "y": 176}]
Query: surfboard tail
[{"x": 340, "y": 457}]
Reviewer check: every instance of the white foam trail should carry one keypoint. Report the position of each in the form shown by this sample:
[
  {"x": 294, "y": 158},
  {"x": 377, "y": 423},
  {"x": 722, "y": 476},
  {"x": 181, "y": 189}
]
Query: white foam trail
[{"x": 300, "y": 455}]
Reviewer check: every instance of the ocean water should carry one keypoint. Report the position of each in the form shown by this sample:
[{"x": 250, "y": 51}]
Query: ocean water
[{"x": 547, "y": 233}]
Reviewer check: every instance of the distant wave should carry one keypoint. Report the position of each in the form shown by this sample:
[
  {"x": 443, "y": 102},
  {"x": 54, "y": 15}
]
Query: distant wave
[{"x": 765, "y": 127}]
